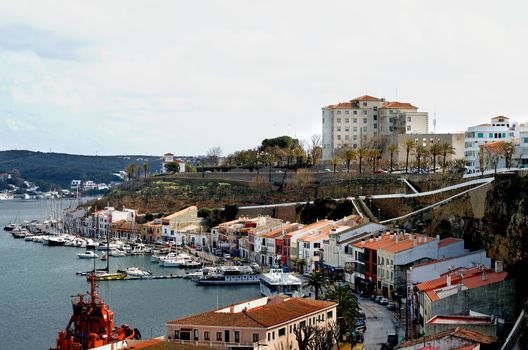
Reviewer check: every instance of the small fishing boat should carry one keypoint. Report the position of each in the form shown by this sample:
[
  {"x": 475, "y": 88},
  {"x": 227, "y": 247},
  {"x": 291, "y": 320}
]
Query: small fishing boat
[{"x": 108, "y": 276}]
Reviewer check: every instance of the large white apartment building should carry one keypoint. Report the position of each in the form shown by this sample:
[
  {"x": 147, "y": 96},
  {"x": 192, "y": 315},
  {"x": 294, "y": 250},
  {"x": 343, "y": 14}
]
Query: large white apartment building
[
  {"x": 500, "y": 129},
  {"x": 366, "y": 120}
]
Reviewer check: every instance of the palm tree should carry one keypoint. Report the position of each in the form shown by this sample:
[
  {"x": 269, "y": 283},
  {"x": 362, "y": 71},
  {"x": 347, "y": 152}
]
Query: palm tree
[
  {"x": 421, "y": 152},
  {"x": 409, "y": 145},
  {"x": 392, "y": 148},
  {"x": 145, "y": 168},
  {"x": 335, "y": 160},
  {"x": 347, "y": 306},
  {"x": 374, "y": 154},
  {"x": 131, "y": 169},
  {"x": 446, "y": 149},
  {"x": 349, "y": 154},
  {"x": 316, "y": 281},
  {"x": 435, "y": 150},
  {"x": 362, "y": 152}
]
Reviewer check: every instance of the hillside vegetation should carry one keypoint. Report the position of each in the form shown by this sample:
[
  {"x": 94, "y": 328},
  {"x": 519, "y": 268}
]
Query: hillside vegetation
[{"x": 58, "y": 169}]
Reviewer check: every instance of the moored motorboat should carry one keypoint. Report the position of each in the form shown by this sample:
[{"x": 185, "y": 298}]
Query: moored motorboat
[
  {"x": 136, "y": 272},
  {"x": 278, "y": 282},
  {"x": 226, "y": 275},
  {"x": 56, "y": 241},
  {"x": 108, "y": 276},
  {"x": 89, "y": 254}
]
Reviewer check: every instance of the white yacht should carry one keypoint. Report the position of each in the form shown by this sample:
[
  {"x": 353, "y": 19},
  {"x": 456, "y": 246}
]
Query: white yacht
[
  {"x": 278, "y": 282},
  {"x": 136, "y": 272},
  {"x": 229, "y": 275},
  {"x": 89, "y": 254},
  {"x": 5, "y": 196},
  {"x": 181, "y": 260}
]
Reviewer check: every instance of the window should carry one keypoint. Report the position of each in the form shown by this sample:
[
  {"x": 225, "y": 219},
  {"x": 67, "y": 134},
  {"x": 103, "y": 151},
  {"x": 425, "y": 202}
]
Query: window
[
  {"x": 409, "y": 119},
  {"x": 339, "y": 137},
  {"x": 365, "y": 112},
  {"x": 354, "y": 121},
  {"x": 255, "y": 337},
  {"x": 339, "y": 120},
  {"x": 176, "y": 334},
  {"x": 355, "y": 137},
  {"x": 355, "y": 128},
  {"x": 375, "y": 108},
  {"x": 206, "y": 335},
  {"x": 338, "y": 112},
  {"x": 338, "y": 128},
  {"x": 302, "y": 324},
  {"x": 282, "y": 332},
  {"x": 196, "y": 334},
  {"x": 347, "y": 120},
  {"x": 218, "y": 336},
  {"x": 365, "y": 130},
  {"x": 237, "y": 337},
  {"x": 408, "y": 128},
  {"x": 364, "y": 104},
  {"x": 347, "y": 112},
  {"x": 355, "y": 112},
  {"x": 375, "y": 125},
  {"x": 490, "y": 134},
  {"x": 365, "y": 120},
  {"x": 329, "y": 314},
  {"x": 480, "y": 135},
  {"x": 317, "y": 245},
  {"x": 291, "y": 328},
  {"x": 375, "y": 117},
  {"x": 346, "y": 137},
  {"x": 347, "y": 129},
  {"x": 273, "y": 335}
]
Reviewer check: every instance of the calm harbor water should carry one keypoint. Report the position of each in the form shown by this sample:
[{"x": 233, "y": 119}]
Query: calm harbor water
[{"x": 36, "y": 283}]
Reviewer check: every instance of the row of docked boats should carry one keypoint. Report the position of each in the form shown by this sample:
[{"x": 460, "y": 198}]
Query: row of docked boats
[{"x": 174, "y": 259}]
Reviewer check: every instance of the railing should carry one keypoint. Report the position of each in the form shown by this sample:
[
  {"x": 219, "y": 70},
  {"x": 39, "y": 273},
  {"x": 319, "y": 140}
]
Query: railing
[
  {"x": 514, "y": 334},
  {"x": 211, "y": 343}
]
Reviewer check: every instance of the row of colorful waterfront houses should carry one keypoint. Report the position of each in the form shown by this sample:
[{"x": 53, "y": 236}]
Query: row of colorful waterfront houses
[{"x": 434, "y": 276}]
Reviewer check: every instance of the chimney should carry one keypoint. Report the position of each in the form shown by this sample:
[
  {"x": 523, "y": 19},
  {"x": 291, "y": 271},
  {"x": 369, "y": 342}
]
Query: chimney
[
  {"x": 232, "y": 308},
  {"x": 449, "y": 280},
  {"x": 498, "y": 266}
]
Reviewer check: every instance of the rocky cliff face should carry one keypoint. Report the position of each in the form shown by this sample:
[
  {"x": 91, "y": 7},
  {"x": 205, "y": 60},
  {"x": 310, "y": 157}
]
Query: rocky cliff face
[{"x": 494, "y": 217}]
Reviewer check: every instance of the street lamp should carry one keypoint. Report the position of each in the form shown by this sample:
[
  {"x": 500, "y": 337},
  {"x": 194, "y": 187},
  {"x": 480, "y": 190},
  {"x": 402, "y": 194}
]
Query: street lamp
[
  {"x": 379, "y": 214},
  {"x": 370, "y": 204}
]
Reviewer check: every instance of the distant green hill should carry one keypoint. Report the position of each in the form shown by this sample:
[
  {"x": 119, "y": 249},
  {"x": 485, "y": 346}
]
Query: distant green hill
[{"x": 49, "y": 169}]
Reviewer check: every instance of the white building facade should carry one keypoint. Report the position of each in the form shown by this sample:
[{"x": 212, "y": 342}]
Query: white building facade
[{"x": 499, "y": 129}]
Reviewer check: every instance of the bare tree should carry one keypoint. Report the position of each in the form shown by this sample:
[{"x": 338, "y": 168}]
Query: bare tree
[
  {"x": 213, "y": 154},
  {"x": 315, "y": 147},
  {"x": 316, "y": 337}
]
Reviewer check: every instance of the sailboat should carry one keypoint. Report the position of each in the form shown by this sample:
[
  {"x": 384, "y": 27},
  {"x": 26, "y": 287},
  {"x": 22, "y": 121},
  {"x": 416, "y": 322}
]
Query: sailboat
[{"x": 105, "y": 274}]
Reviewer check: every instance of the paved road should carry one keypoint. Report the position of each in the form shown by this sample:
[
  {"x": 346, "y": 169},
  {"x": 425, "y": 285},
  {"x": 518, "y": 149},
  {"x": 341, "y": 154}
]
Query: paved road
[{"x": 380, "y": 322}]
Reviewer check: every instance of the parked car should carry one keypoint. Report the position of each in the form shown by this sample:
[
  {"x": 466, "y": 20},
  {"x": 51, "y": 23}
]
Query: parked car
[
  {"x": 391, "y": 306},
  {"x": 381, "y": 171},
  {"x": 378, "y": 299},
  {"x": 384, "y": 301},
  {"x": 199, "y": 248},
  {"x": 227, "y": 256}
]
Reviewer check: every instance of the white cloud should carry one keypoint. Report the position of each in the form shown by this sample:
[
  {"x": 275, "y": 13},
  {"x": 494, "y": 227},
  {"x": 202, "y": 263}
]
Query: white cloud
[{"x": 183, "y": 76}]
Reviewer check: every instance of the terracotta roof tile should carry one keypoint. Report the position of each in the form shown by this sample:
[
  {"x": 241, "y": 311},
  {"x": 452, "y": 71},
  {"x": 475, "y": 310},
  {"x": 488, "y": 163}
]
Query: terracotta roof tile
[
  {"x": 398, "y": 105},
  {"x": 277, "y": 310},
  {"x": 366, "y": 98},
  {"x": 458, "y": 332},
  {"x": 407, "y": 244}
]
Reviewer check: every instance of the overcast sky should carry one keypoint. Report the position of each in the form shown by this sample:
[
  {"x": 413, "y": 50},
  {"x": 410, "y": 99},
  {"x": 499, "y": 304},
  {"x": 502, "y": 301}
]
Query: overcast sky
[{"x": 148, "y": 77}]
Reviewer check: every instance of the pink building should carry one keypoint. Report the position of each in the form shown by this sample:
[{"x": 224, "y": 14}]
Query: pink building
[{"x": 265, "y": 323}]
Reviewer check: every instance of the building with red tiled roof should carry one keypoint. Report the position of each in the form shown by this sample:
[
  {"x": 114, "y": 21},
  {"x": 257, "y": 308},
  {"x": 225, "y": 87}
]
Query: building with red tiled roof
[
  {"x": 484, "y": 140},
  {"x": 456, "y": 338},
  {"x": 267, "y": 321},
  {"x": 367, "y": 119},
  {"x": 484, "y": 324},
  {"x": 479, "y": 288}
]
